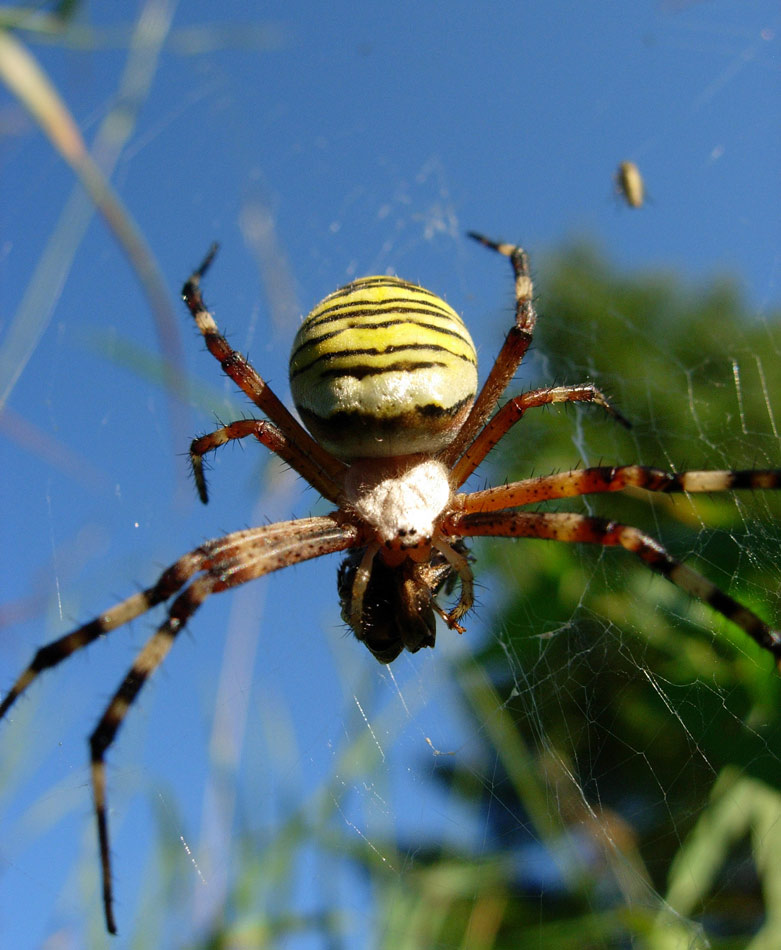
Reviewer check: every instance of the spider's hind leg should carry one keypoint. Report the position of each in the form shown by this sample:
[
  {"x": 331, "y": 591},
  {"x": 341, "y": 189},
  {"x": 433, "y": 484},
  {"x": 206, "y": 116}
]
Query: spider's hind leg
[
  {"x": 302, "y": 452},
  {"x": 274, "y": 439},
  {"x": 515, "y": 409},
  {"x": 514, "y": 348}
]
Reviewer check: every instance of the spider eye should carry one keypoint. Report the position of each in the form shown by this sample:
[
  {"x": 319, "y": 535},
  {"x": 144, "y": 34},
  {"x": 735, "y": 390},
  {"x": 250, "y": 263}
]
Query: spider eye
[{"x": 383, "y": 368}]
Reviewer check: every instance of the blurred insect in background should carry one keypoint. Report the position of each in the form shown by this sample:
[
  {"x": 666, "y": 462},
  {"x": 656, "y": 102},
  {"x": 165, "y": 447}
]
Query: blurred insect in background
[{"x": 630, "y": 184}]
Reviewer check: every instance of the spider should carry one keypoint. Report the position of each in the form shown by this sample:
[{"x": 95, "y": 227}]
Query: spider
[{"x": 384, "y": 375}]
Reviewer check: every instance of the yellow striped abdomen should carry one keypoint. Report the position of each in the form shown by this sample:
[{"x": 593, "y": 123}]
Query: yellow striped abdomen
[{"x": 383, "y": 368}]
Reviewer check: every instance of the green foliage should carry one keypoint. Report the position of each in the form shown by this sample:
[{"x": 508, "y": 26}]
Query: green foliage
[{"x": 640, "y": 712}]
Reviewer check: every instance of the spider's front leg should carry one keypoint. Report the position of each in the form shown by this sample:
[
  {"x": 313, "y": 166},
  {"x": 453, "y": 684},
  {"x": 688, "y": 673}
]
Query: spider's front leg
[
  {"x": 615, "y": 478},
  {"x": 577, "y": 528},
  {"x": 225, "y": 563},
  {"x": 52, "y": 654},
  {"x": 221, "y": 564}
]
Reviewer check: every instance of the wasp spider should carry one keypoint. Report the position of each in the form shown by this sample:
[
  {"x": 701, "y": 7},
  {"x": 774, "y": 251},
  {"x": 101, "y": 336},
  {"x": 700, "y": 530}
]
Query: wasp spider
[{"x": 384, "y": 375}]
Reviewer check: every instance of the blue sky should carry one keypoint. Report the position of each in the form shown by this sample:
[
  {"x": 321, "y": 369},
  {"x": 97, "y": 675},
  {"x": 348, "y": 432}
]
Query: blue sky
[{"x": 315, "y": 145}]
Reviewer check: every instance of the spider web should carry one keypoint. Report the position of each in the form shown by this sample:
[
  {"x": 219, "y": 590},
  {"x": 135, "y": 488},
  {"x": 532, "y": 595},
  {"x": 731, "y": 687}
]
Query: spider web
[{"x": 597, "y": 755}]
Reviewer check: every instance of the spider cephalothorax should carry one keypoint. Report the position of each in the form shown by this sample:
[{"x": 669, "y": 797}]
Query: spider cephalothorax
[{"x": 384, "y": 375}]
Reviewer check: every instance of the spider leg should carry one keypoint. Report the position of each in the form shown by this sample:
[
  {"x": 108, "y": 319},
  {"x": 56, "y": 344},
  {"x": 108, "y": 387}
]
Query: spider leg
[
  {"x": 58, "y": 650},
  {"x": 512, "y": 352},
  {"x": 216, "y": 552},
  {"x": 227, "y": 562},
  {"x": 272, "y": 437},
  {"x": 305, "y": 454},
  {"x": 578, "y": 528},
  {"x": 150, "y": 657},
  {"x": 606, "y": 478},
  {"x": 513, "y": 411}
]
